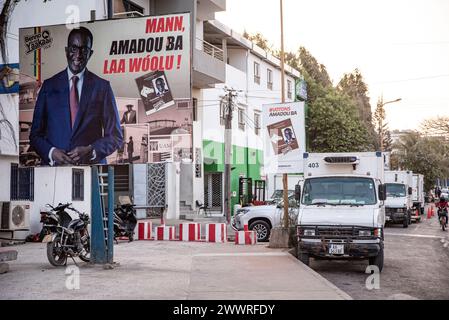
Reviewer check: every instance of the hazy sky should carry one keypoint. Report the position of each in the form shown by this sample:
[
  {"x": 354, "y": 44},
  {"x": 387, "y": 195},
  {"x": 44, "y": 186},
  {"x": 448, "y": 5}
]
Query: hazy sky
[{"x": 400, "y": 46}]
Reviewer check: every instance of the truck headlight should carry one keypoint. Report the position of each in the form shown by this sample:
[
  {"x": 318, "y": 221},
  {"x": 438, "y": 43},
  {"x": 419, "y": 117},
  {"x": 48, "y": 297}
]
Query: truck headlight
[
  {"x": 242, "y": 211},
  {"x": 309, "y": 233},
  {"x": 364, "y": 233}
]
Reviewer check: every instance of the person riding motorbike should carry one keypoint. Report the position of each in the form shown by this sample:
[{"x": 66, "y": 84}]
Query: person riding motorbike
[{"x": 443, "y": 206}]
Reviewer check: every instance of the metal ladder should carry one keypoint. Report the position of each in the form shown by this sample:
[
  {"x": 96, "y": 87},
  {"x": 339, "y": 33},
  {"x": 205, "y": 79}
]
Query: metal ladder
[
  {"x": 103, "y": 184},
  {"x": 102, "y": 238}
]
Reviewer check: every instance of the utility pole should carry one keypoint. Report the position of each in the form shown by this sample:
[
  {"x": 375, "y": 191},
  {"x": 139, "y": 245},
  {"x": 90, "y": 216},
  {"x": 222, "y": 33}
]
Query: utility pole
[
  {"x": 228, "y": 110},
  {"x": 284, "y": 176}
]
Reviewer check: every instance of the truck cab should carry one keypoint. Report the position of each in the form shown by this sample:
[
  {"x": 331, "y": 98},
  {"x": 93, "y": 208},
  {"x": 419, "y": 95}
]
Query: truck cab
[
  {"x": 398, "y": 205},
  {"x": 341, "y": 212}
]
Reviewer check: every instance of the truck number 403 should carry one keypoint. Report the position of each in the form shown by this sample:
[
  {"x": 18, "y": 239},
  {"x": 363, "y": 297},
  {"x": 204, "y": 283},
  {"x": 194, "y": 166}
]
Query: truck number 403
[{"x": 314, "y": 165}]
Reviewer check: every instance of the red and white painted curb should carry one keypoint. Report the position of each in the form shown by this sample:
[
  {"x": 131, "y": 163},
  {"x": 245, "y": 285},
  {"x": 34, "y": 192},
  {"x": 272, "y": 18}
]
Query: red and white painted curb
[
  {"x": 246, "y": 237},
  {"x": 216, "y": 232},
  {"x": 144, "y": 230},
  {"x": 165, "y": 233},
  {"x": 189, "y": 232}
]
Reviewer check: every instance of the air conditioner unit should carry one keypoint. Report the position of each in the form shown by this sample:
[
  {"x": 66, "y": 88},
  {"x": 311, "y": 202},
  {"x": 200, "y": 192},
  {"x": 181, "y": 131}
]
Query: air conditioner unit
[{"x": 15, "y": 215}]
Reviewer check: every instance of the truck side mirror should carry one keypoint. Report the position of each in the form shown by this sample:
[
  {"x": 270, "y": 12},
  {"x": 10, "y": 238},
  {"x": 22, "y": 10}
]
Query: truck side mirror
[
  {"x": 298, "y": 192},
  {"x": 410, "y": 191},
  {"x": 382, "y": 192}
]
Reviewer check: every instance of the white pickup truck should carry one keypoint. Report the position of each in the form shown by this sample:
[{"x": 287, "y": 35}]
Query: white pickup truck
[
  {"x": 263, "y": 218},
  {"x": 341, "y": 211}
]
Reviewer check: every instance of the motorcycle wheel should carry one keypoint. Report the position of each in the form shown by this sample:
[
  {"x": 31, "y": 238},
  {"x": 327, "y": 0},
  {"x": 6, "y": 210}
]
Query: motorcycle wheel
[
  {"x": 85, "y": 254},
  {"x": 55, "y": 254}
]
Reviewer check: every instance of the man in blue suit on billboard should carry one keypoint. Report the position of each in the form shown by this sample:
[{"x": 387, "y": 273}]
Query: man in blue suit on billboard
[{"x": 76, "y": 120}]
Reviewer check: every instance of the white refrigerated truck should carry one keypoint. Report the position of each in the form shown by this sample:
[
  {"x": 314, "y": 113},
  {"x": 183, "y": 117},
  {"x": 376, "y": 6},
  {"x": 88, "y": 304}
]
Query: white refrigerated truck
[
  {"x": 341, "y": 211},
  {"x": 398, "y": 205},
  {"x": 418, "y": 195}
]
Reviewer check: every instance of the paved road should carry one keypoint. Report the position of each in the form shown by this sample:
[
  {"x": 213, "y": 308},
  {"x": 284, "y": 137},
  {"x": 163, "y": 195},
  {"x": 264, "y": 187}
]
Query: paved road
[{"x": 416, "y": 265}]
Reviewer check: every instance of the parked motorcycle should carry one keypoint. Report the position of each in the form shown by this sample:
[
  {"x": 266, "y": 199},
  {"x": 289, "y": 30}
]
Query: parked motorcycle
[
  {"x": 124, "y": 221},
  {"x": 52, "y": 218},
  {"x": 66, "y": 238}
]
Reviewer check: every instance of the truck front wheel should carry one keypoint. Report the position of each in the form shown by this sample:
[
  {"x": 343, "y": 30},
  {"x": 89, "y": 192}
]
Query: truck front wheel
[
  {"x": 303, "y": 257},
  {"x": 378, "y": 260},
  {"x": 406, "y": 219}
]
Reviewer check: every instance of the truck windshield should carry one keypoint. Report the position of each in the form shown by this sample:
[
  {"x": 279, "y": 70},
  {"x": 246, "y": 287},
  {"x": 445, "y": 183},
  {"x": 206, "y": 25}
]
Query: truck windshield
[
  {"x": 395, "y": 190},
  {"x": 339, "y": 191}
]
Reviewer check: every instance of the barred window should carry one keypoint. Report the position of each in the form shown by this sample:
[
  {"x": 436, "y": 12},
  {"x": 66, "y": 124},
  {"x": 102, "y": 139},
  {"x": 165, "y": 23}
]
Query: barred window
[
  {"x": 77, "y": 184},
  {"x": 22, "y": 183}
]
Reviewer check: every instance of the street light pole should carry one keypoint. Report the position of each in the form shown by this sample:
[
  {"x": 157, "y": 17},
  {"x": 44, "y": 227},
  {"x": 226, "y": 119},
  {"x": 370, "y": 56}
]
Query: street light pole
[{"x": 381, "y": 104}]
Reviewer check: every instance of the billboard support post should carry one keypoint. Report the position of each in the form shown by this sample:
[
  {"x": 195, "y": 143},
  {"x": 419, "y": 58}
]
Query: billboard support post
[{"x": 280, "y": 236}]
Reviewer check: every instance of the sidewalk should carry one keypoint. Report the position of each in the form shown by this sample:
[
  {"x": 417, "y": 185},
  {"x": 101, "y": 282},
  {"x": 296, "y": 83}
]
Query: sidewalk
[{"x": 171, "y": 271}]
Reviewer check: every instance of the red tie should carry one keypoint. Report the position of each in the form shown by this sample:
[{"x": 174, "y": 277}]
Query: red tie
[{"x": 74, "y": 103}]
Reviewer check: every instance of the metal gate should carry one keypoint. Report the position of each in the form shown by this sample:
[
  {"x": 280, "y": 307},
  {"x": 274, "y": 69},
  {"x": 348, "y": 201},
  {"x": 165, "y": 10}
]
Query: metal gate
[
  {"x": 156, "y": 188},
  {"x": 245, "y": 191},
  {"x": 213, "y": 191}
]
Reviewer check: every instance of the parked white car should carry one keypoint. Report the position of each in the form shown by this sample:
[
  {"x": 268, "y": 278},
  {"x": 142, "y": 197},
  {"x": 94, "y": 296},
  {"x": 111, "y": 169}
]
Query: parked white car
[{"x": 263, "y": 218}]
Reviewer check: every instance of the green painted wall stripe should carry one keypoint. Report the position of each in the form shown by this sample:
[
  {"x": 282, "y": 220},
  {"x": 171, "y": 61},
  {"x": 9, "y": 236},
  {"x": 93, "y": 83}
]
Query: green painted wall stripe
[{"x": 246, "y": 162}]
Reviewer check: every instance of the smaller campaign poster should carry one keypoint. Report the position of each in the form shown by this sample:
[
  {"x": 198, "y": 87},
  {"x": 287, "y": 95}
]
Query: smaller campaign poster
[
  {"x": 155, "y": 92},
  {"x": 284, "y": 137}
]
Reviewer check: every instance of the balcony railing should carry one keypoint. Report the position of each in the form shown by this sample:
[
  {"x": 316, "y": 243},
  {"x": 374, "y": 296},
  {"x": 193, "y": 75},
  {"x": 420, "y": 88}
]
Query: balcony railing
[
  {"x": 129, "y": 14},
  {"x": 210, "y": 49}
]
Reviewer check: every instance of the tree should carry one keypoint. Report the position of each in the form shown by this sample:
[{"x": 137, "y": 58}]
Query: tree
[
  {"x": 381, "y": 127},
  {"x": 424, "y": 155},
  {"x": 334, "y": 126},
  {"x": 387, "y": 140},
  {"x": 436, "y": 127},
  {"x": 314, "y": 69},
  {"x": 259, "y": 40},
  {"x": 355, "y": 87}
]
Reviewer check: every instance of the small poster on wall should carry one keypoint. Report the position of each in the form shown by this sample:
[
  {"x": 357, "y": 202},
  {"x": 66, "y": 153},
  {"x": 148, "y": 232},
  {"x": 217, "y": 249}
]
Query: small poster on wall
[
  {"x": 284, "y": 137},
  {"x": 155, "y": 92}
]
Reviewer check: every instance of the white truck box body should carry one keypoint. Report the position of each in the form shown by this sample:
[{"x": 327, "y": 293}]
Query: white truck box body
[
  {"x": 370, "y": 164},
  {"x": 418, "y": 188}
]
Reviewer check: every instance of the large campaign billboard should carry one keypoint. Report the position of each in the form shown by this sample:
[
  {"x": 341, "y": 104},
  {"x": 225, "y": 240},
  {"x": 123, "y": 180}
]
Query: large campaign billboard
[
  {"x": 284, "y": 137},
  {"x": 104, "y": 91}
]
